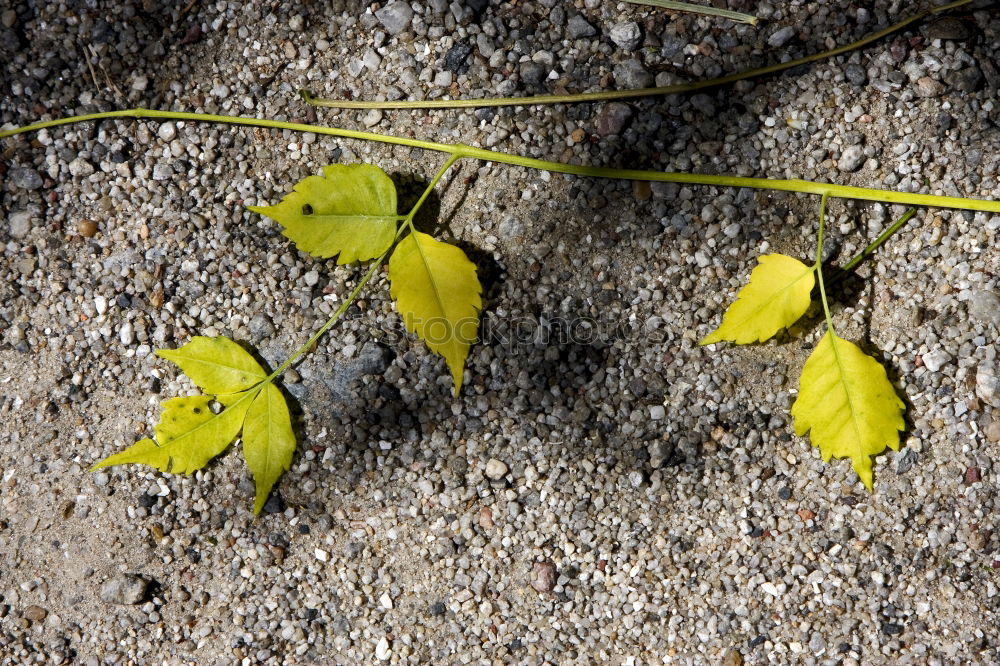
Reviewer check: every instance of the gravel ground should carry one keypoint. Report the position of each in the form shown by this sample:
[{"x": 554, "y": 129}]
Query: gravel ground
[{"x": 615, "y": 495}]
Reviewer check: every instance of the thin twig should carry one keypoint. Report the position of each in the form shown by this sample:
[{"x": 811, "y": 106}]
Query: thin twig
[{"x": 698, "y": 9}]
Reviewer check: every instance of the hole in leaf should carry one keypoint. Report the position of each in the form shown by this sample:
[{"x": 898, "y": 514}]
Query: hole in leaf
[
  {"x": 197, "y": 410},
  {"x": 307, "y": 209}
]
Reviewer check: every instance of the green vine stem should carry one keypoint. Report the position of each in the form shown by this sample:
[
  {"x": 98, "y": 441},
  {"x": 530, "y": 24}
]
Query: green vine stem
[
  {"x": 331, "y": 321},
  {"x": 846, "y": 269},
  {"x": 818, "y": 266},
  {"x": 430, "y": 188},
  {"x": 605, "y": 95},
  {"x": 464, "y": 151}
]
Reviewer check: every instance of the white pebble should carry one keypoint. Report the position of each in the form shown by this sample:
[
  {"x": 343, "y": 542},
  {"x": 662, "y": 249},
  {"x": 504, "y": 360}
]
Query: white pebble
[
  {"x": 936, "y": 359},
  {"x": 167, "y": 131},
  {"x": 496, "y": 469},
  {"x": 126, "y": 333},
  {"x": 382, "y": 650}
]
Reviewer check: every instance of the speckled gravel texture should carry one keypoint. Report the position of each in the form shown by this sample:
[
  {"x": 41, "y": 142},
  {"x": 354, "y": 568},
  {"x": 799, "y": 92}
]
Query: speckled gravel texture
[{"x": 604, "y": 491}]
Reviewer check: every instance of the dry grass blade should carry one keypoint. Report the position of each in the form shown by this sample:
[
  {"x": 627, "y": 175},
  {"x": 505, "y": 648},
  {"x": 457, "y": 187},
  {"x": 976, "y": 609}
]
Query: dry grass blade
[{"x": 698, "y": 9}]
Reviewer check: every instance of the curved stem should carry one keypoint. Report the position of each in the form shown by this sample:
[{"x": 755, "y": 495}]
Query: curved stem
[
  {"x": 454, "y": 157},
  {"x": 846, "y": 269},
  {"x": 819, "y": 261},
  {"x": 793, "y": 185},
  {"x": 332, "y": 320},
  {"x": 878, "y": 242},
  {"x": 628, "y": 94}
]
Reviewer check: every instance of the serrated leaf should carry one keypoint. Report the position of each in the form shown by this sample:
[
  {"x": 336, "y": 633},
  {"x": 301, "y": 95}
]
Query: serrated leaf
[
  {"x": 349, "y": 211},
  {"x": 847, "y": 405},
  {"x": 216, "y": 365},
  {"x": 438, "y": 295},
  {"x": 268, "y": 441},
  {"x": 189, "y": 435},
  {"x": 774, "y": 298}
]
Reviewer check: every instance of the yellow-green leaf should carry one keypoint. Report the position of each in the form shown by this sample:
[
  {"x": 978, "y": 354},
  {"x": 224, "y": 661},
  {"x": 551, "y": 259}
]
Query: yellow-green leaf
[
  {"x": 438, "y": 294},
  {"x": 847, "y": 404},
  {"x": 350, "y": 210},
  {"x": 217, "y": 365},
  {"x": 776, "y": 296},
  {"x": 268, "y": 441},
  {"x": 189, "y": 435}
]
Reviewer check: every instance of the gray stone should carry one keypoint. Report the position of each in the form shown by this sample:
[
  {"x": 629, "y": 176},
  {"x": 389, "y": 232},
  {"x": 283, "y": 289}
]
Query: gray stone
[
  {"x": 949, "y": 27},
  {"x": 905, "y": 460},
  {"x": 19, "y": 224},
  {"x": 935, "y": 360},
  {"x": 630, "y": 75},
  {"x": 704, "y": 104},
  {"x": 856, "y": 74},
  {"x": 988, "y": 384},
  {"x": 781, "y": 37},
  {"x": 25, "y": 177},
  {"x": 660, "y": 453},
  {"x": 125, "y": 590},
  {"x": 454, "y": 59},
  {"x": 579, "y": 27},
  {"x": 626, "y": 35},
  {"x": 373, "y": 359},
  {"x": 395, "y": 17},
  {"x": 965, "y": 80},
  {"x": 612, "y": 118},
  {"x": 851, "y": 159},
  {"x": 163, "y": 171},
  {"x": 261, "y": 326},
  {"x": 985, "y": 307},
  {"x": 532, "y": 74}
]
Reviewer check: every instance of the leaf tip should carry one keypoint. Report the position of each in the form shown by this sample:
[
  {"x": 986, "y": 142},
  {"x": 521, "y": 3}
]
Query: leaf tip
[
  {"x": 711, "y": 338},
  {"x": 864, "y": 470},
  {"x": 259, "y": 502}
]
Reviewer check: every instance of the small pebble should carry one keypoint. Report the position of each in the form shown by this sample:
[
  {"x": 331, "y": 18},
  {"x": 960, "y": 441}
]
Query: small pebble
[
  {"x": 543, "y": 577},
  {"x": 25, "y": 178},
  {"x": 936, "y": 359},
  {"x": 496, "y": 469},
  {"x": 35, "y": 613},
  {"x": 382, "y": 650},
  {"x": 851, "y": 159},
  {"x": 87, "y": 228},
  {"x": 781, "y": 36}
]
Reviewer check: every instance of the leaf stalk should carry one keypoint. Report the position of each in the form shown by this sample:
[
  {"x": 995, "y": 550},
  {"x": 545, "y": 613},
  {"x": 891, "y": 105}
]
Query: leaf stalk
[{"x": 818, "y": 266}]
